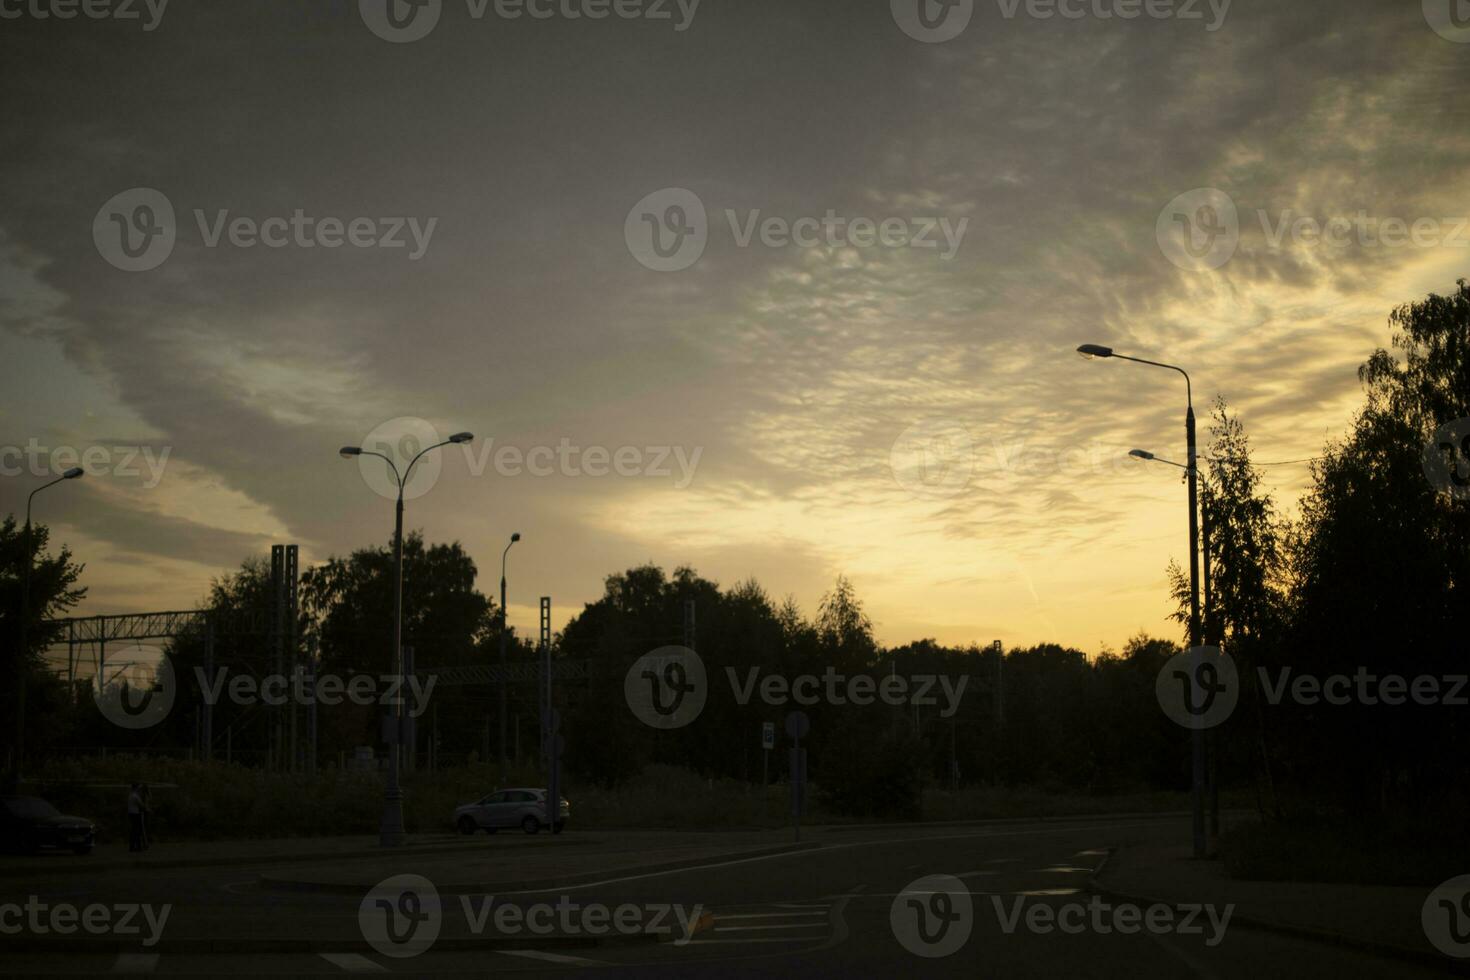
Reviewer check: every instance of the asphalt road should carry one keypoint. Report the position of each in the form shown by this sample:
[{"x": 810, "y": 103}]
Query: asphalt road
[{"x": 1013, "y": 903}]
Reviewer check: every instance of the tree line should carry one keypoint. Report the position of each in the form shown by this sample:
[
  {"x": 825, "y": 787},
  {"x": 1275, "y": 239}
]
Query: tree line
[{"x": 1369, "y": 574}]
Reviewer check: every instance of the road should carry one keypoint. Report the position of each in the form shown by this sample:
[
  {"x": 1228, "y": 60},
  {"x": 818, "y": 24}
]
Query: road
[{"x": 845, "y": 909}]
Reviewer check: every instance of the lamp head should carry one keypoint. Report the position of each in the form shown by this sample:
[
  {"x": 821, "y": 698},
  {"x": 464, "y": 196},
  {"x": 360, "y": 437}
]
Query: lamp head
[
  {"x": 1141, "y": 453},
  {"x": 350, "y": 451},
  {"x": 515, "y": 537},
  {"x": 461, "y": 437},
  {"x": 73, "y": 473},
  {"x": 1095, "y": 350}
]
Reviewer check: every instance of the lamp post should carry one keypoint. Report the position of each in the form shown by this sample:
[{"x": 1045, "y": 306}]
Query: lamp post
[
  {"x": 513, "y": 539},
  {"x": 390, "y": 831},
  {"x": 1211, "y": 626},
  {"x": 1208, "y": 624},
  {"x": 22, "y": 652},
  {"x": 1191, "y": 467}
]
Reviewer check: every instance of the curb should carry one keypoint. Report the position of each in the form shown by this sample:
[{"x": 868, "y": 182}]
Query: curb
[
  {"x": 1390, "y": 950},
  {"x": 271, "y": 883},
  {"x": 84, "y": 865},
  {"x": 987, "y": 821},
  {"x": 71, "y": 945}
]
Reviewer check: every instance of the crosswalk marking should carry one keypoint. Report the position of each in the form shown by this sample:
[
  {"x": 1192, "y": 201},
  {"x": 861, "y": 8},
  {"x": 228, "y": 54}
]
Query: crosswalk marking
[
  {"x": 353, "y": 962},
  {"x": 537, "y": 954},
  {"x": 135, "y": 963}
]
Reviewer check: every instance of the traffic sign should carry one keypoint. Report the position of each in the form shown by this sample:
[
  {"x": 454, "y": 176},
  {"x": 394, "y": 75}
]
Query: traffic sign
[{"x": 768, "y": 735}]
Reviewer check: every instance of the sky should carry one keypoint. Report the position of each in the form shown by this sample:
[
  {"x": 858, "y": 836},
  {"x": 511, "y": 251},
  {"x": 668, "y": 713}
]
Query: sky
[{"x": 236, "y": 237}]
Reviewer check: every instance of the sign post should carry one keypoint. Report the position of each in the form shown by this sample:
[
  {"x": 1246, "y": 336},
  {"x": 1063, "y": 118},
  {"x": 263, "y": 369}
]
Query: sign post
[
  {"x": 797, "y": 725},
  {"x": 768, "y": 742}
]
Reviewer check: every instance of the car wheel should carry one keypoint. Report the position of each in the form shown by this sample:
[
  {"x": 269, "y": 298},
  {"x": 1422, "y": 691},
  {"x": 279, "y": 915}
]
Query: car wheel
[
  {"x": 466, "y": 825},
  {"x": 531, "y": 825}
]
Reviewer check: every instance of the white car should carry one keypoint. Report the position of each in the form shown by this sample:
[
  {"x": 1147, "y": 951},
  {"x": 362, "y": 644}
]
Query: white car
[{"x": 521, "y": 807}]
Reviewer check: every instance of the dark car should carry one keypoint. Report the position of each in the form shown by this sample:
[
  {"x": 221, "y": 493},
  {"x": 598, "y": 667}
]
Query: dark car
[{"x": 28, "y": 823}]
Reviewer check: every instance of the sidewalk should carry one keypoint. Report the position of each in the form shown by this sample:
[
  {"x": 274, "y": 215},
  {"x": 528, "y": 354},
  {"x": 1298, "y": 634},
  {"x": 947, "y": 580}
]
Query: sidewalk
[{"x": 1376, "y": 918}]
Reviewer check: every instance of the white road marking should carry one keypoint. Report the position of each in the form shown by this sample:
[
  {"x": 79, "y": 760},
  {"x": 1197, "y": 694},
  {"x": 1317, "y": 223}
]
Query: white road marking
[
  {"x": 752, "y": 939},
  {"x": 767, "y": 915},
  {"x": 135, "y": 963},
  {"x": 821, "y": 849},
  {"x": 353, "y": 963},
  {"x": 537, "y": 954},
  {"x": 793, "y": 925}
]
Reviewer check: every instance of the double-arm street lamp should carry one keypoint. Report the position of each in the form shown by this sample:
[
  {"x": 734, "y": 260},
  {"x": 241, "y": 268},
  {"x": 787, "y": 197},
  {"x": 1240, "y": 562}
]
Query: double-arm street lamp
[
  {"x": 22, "y": 652},
  {"x": 1191, "y": 467},
  {"x": 390, "y": 831},
  {"x": 513, "y": 539}
]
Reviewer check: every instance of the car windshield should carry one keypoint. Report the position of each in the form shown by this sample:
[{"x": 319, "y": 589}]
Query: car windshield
[{"x": 30, "y": 808}]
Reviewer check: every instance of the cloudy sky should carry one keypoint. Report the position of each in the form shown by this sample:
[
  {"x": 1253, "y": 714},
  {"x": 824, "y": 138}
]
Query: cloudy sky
[{"x": 235, "y": 237}]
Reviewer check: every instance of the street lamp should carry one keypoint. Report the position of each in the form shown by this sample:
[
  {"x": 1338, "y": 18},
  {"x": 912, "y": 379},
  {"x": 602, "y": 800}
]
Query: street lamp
[
  {"x": 1211, "y": 631},
  {"x": 1204, "y": 533},
  {"x": 513, "y": 539},
  {"x": 1191, "y": 467},
  {"x": 22, "y": 654},
  {"x": 390, "y": 831}
]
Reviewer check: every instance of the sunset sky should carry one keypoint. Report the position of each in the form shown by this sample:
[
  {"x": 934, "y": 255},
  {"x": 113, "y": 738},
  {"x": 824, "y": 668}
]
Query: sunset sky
[{"x": 787, "y": 410}]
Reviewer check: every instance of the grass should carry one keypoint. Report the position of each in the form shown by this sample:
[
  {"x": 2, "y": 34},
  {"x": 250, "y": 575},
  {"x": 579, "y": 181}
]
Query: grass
[
  {"x": 199, "y": 801},
  {"x": 1339, "y": 851}
]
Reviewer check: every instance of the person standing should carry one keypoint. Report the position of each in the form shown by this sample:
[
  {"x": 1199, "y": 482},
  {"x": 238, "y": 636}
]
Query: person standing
[{"x": 135, "y": 818}]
